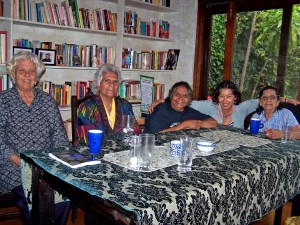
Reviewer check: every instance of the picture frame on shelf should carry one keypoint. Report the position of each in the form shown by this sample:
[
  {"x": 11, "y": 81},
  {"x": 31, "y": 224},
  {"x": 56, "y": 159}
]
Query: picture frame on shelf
[
  {"x": 47, "y": 56},
  {"x": 129, "y": 18},
  {"x": 172, "y": 59},
  {"x": 19, "y": 49},
  {"x": 60, "y": 60}
]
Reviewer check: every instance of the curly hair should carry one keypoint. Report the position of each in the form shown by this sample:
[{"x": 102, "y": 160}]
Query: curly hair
[
  {"x": 25, "y": 55},
  {"x": 260, "y": 109},
  {"x": 98, "y": 77},
  {"x": 227, "y": 84}
]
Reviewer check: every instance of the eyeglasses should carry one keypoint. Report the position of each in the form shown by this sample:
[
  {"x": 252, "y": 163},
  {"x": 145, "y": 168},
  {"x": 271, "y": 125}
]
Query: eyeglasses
[
  {"x": 24, "y": 72},
  {"x": 271, "y": 97}
]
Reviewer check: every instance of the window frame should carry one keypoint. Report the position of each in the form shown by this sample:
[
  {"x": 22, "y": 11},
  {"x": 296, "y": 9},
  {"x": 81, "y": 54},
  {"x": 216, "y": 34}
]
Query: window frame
[{"x": 206, "y": 10}]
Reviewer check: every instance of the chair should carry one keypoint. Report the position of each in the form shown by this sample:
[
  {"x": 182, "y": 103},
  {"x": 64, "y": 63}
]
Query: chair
[
  {"x": 74, "y": 107},
  {"x": 247, "y": 120},
  {"x": 8, "y": 209},
  {"x": 295, "y": 109},
  {"x": 75, "y": 103}
]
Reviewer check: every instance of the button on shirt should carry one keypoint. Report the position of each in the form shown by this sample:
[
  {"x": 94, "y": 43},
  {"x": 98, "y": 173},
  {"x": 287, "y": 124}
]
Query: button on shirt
[
  {"x": 279, "y": 118},
  {"x": 35, "y": 127}
]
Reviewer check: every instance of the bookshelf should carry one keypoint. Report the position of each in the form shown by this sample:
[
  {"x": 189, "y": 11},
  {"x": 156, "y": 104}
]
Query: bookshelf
[{"x": 181, "y": 15}]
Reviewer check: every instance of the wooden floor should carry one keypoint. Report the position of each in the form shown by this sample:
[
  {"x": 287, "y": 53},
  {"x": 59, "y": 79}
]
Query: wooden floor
[{"x": 266, "y": 220}]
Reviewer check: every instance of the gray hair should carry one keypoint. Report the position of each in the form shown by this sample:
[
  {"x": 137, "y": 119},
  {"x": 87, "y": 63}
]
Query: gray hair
[
  {"x": 98, "y": 77},
  {"x": 181, "y": 84},
  {"x": 24, "y": 55}
]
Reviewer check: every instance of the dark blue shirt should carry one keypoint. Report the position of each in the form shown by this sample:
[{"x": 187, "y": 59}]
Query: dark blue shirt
[
  {"x": 164, "y": 116},
  {"x": 22, "y": 127}
]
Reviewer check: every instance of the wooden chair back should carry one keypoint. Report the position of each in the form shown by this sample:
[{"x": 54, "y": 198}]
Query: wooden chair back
[
  {"x": 247, "y": 120},
  {"x": 295, "y": 109},
  {"x": 75, "y": 103}
]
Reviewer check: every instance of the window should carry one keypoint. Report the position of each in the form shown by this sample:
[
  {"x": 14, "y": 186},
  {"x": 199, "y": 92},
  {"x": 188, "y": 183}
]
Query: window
[{"x": 262, "y": 47}]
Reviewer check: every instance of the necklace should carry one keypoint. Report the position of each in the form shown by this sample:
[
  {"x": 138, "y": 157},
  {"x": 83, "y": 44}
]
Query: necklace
[
  {"x": 30, "y": 94},
  {"x": 225, "y": 115}
]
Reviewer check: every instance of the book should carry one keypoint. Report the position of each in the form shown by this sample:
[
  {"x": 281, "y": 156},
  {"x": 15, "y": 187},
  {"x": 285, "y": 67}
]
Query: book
[
  {"x": 73, "y": 158},
  {"x": 75, "y": 12},
  {"x": 1, "y": 8},
  {"x": 3, "y": 46},
  {"x": 172, "y": 59}
]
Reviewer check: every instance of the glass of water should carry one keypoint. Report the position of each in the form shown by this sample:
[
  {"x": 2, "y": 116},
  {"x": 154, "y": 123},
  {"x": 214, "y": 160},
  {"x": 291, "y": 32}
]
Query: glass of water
[{"x": 185, "y": 156}]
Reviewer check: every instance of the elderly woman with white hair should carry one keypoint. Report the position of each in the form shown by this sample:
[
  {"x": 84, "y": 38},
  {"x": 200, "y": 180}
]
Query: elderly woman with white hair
[
  {"x": 30, "y": 120},
  {"x": 104, "y": 111}
]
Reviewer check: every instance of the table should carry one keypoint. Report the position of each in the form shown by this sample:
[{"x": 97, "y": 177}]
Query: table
[{"x": 233, "y": 187}]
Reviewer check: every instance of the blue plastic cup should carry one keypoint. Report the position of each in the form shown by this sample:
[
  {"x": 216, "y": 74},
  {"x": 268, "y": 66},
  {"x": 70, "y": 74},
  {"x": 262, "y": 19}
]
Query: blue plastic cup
[
  {"x": 254, "y": 125},
  {"x": 95, "y": 141}
]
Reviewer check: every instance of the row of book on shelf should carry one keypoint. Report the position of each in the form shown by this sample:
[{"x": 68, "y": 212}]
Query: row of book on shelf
[
  {"x": 68, "y": 54},
  {"x": 154, "y": 60},
  {"x": 65, "y": 13},
  {"x": 153, "y": 27},
  {"x": 5, "y": 82},
  {"x": 129, "y": 89},
  {"x": 62, "y": 92}
]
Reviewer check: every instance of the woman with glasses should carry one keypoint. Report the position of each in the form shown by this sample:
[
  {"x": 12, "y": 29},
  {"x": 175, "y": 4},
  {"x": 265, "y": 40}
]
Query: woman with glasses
[
  {"x": 226, "y": 105},
  {"x": 30, "y": 120},
  {"x": 273, "y": 116},
  {"x": 175, "y": 113}
]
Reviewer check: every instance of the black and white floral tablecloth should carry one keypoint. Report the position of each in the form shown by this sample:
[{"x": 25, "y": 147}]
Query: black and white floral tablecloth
[{"x": 236, "y": 186}]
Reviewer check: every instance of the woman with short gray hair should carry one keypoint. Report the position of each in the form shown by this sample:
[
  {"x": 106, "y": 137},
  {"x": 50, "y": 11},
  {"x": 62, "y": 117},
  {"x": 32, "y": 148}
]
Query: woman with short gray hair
[{"x": 30, "y": 120}]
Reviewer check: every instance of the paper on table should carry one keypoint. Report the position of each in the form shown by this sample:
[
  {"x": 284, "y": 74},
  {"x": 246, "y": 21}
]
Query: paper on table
[
  {"x": 161, "y": 159},
  {"x": 73, "y": 159}
]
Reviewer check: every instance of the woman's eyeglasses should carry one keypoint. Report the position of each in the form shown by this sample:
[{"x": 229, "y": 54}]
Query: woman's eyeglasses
[{"x": 271, "y": 97}]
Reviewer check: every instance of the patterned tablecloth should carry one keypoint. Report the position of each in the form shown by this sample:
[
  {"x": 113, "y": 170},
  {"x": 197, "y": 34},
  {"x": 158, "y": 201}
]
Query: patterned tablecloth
[
  {"x": 235, "y": 185},
  {"x": 162, "y": 158}
]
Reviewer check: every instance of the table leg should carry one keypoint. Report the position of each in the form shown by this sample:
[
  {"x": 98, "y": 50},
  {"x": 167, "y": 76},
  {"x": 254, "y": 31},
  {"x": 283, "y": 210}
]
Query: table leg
[
  {"x": 42, "y": 199},
  {"x": 278, "y": 215},
  {"x": 296, "y": 206}
]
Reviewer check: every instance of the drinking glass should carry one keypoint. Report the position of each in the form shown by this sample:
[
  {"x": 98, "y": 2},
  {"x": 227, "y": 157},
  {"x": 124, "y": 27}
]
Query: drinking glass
[
  {"x": 286, "y": 130},
  {"x": 254, "y": 125},
  {"x": 146, "y": 153},
  {"x": 185, "y": 156},
  {"x": 128, "y": 122},
  {"x": 135, "y": 149}
]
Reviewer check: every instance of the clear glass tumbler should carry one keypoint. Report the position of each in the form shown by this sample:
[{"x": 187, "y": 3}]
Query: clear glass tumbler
[
  {"x": 146, "y": 154},
  {"x": 185, "y": 156}
]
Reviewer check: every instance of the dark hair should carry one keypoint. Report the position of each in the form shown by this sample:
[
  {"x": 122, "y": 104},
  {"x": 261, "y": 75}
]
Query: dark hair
[
  {"x": 227, "y": 84},
  {"x": 260, "y": 109},
  {"x": 180, "y": 84}
]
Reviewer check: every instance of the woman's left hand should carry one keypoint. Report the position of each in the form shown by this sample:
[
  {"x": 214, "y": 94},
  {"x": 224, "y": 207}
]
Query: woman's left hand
[{"x": 273, "y": 133}]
